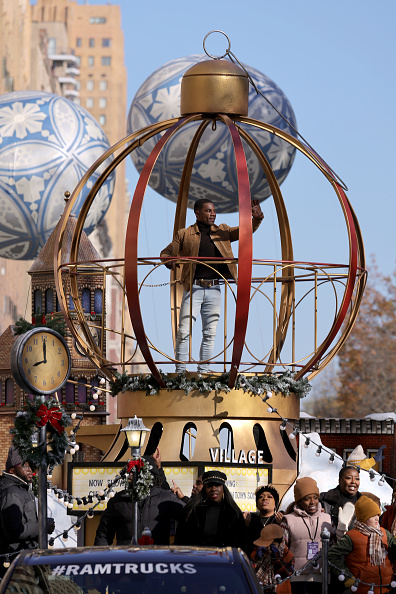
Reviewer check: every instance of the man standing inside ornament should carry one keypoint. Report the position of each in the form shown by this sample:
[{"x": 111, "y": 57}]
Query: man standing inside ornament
[{"x": 204, "y": 240}]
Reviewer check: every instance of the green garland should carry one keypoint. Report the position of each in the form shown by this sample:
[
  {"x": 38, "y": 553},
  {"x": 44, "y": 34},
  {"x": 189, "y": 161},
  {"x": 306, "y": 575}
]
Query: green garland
[
  {"x": 55, "y": 321},
  {"x": 144, "y": 480},
  {"x": 284, "y": 384},
  {"x": 25, "y": 428}
]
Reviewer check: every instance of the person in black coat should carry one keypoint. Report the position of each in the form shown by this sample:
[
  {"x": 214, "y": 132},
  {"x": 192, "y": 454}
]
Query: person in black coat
[
  {"x": 212, "y": 518},
  {"x": 267, "y": 501},
  {"x": 346, "y": 492},
  {"x": 18, "y": 515},
  {"x": 156, "y": 512}
]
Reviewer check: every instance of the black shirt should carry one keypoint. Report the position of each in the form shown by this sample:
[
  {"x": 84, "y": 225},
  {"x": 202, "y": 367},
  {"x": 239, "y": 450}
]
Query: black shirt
[{"x": 207, "y": 249}]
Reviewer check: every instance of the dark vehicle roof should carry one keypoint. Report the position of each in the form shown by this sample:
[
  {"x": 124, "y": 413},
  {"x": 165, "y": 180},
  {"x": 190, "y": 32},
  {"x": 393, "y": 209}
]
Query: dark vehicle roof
[
  {"x": 214, "y": 561},
  {"x": 149, "y": 554}
]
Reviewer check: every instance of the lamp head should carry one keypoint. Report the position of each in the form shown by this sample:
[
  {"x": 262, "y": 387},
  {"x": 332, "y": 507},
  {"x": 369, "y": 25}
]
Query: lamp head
[{"x": 135, "y": 433}]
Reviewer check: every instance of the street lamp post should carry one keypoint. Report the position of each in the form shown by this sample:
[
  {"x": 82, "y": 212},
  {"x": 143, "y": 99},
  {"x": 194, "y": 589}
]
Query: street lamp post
[{"x": 135, "y": 434}]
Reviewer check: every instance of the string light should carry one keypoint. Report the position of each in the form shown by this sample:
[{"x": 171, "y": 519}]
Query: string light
[
  {"x": 90, "y": 514},
  {"x": 371, "y": 591},
  {"x": 307, "y": 442},
  {"x": 92, "y": 407},
  {"x": 270, "y": 409},
  {"x": 65, "y": 535},
  {"x": 331, "y": 459},
  {"x": 341, "y": 577},
  {"x": 77, "y": 525},
  {"x": 318, "y": 451},
  {"x": 293, "y": 434},
  {"x": 6, "y": 562},
  {"x": 282, "y": 427},
  {"x": 372, "y": 475},
  {"x": 51, "y": 543},
  {"x": 102, "y": 381},
  {"x": 381, "y": 482}
]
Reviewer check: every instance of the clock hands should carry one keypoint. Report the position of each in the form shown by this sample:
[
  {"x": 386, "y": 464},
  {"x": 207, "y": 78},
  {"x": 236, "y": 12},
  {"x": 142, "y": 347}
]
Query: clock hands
[{"x": 44, "y": 355}]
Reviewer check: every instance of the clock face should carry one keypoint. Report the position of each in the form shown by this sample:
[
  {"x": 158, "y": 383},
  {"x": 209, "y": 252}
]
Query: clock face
[{"x": 44, "y": 361}]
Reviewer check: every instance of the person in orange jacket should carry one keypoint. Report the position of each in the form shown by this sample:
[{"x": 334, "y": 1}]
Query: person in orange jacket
[{"x": 362, "y": 554}]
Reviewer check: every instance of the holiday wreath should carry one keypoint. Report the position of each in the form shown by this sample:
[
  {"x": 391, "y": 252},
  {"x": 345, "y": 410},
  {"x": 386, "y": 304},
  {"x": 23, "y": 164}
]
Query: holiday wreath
[{"x": 37, "y": 413}]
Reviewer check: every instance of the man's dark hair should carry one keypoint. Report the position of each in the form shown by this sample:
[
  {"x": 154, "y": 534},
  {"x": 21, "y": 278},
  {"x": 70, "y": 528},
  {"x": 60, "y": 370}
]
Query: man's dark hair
[{"x": 199, "y": 204}]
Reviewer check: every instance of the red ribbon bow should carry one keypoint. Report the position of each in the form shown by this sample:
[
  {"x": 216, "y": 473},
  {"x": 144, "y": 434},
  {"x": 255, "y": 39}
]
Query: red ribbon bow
[
  {"x": 50, "y": 415},
  {"x": 139, "y": 463}
]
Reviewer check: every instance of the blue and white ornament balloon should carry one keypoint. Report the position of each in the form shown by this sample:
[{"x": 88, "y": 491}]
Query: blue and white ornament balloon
[
  {"x": 214, "y": 174},
  {"x": 47, "y": 143}
]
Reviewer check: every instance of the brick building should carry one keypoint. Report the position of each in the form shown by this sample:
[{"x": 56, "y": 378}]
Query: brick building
[
  {"x": 76, "y": 394},
  {"x": 343, "y": 435}
]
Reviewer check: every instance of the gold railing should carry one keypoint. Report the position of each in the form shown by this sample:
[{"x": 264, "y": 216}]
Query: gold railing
[{"x": 293, "y": 308}]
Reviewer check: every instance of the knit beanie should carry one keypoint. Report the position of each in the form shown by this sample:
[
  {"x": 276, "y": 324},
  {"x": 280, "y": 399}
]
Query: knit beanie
[
  {"x": 269, "y": 489},
  {"x": 303, "y": 487},
  {"x": 13, "y": 459},
  {"x": 366, "y": 508}
]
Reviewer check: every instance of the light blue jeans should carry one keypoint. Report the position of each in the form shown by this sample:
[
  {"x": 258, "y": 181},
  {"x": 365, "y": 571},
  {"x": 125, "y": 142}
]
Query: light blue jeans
[{"x": 207, "y": 302}]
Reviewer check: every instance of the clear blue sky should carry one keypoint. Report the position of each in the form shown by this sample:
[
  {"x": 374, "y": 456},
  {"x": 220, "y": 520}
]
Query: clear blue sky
[{"x": 335, "y": 61}]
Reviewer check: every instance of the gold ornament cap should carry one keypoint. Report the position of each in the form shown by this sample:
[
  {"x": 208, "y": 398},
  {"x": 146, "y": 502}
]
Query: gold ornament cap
[{"x": 215, "y": 86}]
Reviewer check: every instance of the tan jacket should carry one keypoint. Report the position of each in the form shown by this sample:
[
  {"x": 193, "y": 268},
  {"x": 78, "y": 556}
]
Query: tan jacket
[{"x": 186, "y": 244}]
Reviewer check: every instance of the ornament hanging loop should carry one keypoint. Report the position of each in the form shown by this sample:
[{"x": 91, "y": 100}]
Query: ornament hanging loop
[{"x": 210, "y": 55}]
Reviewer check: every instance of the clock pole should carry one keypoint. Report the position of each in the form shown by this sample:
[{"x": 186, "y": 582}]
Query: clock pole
[{"x": 42, "y": 493}]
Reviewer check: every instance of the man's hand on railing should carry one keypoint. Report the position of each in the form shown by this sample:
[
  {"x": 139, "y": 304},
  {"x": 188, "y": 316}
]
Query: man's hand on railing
[{"x": 169, "y": 265}]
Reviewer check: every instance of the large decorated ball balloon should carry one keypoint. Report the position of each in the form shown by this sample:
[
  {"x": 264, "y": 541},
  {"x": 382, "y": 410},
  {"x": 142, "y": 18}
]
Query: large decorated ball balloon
[
  {"x": 214, "y": 174},
  {"x": 47, "y": 143}
]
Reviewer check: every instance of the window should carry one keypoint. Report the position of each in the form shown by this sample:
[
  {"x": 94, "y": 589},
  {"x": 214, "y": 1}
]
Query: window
[
  {"x": 9, "y": 391},
  {"x": 91, "y": 61},
  {"x": 98, "y": 300},
  {"x": 82, "y": 391},
  {"x": 86, "y": 293},
  {"x": 90, "y": 85},
  {"x": 91, "y": 42},
  {"x": 102, "y": 102},
  {"x": 106, "y": 60},
  {"x": 78, "y": 85},
  {"x": 103, "y": 85},
  {"x": 188, "y": 441},
  {"x": 37, "y": 301},
  {"x": 69, "y": 393},
  {"x": 89, "y": 102},
  {"x": 49, "y": 301},
  {"x": 51, "y": 48},
  {"x": 106, "y": 42},
  {"x": 97, "y": 20},
  {"x": 226, "y": 439},
  {"x": 102, "y": 120},
  {"x": 78, "y": 42},
  {"x": 261, "y": 442},
  {"x": 78, "y": 58},
  {"x": 154, "y": 439}
]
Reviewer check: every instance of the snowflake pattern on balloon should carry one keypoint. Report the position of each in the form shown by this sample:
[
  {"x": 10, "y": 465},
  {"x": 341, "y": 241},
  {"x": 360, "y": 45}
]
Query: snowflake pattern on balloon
[
  {"x": 214, "y": 175},
  {"x": 47, "y": 143}
]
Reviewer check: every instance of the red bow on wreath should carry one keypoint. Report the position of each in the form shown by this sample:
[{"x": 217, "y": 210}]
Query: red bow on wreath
[
  {"x": 139, "y": 463},
  {"x": 50, "y": 415}
]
